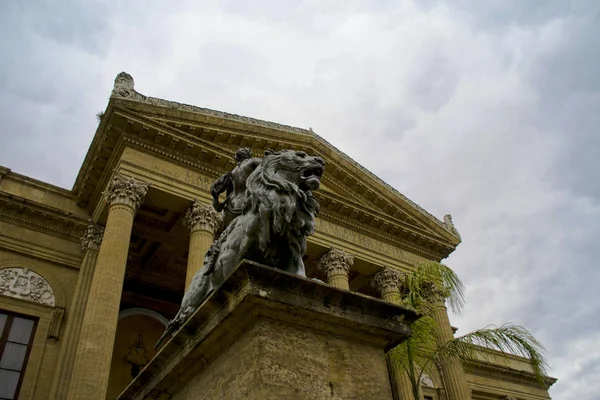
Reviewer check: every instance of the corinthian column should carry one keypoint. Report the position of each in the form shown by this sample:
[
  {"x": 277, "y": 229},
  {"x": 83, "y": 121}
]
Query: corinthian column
[
  {"x": 336, "y": 264},
  {"x": 455, "y": 379},
  {"x": 203, "y": 222},
  {"x": 90, "y": 244},
  {"x": 92, "y": 362},
  {"x": 388, "y": 282}
]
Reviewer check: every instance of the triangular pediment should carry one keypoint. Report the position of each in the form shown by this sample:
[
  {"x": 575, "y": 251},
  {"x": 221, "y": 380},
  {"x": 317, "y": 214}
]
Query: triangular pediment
[{"x": 349, "y": 191}]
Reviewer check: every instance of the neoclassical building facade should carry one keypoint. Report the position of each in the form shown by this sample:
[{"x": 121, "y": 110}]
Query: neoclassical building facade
[{"x": 90, "y": 276}]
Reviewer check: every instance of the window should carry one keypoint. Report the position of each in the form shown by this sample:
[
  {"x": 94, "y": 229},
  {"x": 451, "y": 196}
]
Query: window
[{"x": 16, "y": 335}]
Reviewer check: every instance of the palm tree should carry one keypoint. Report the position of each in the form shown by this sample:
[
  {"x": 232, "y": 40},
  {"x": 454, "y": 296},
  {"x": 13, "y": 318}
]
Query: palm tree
[{"x": 426, "y": 288}]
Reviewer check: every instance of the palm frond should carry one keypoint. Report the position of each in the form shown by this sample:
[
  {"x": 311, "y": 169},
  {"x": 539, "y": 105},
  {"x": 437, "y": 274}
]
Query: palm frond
[
  {"x": 420, "y": 280},
  {"x": 422, "y": 343},
  {"x": 508, "y": 339}
]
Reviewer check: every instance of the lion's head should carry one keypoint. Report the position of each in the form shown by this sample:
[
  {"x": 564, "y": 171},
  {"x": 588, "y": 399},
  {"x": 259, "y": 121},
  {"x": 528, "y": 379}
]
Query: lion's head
[{"x": 281, "y": 188}]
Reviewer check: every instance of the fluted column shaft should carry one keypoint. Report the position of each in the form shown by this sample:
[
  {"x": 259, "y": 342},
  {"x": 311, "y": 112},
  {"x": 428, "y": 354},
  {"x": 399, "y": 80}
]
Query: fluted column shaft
[
  {"x": 401, "y": 386},
  {"x": 92, "y": 362},
  {"x": 336, "y": 264},
  {"x": 455, "y": 379},
  {"x": 388, "y": 282},
  {"x": 90, "y": 244},
  {"x": 203, "y": 222}
]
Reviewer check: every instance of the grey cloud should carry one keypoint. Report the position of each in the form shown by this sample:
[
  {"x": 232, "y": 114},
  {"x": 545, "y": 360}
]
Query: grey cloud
[{"x": 471, "y": 108}]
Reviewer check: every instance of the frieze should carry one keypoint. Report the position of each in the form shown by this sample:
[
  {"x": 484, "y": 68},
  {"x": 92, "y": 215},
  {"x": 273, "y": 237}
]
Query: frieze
[
  {"x": 363, "y": 241},
  {"x": 23, "y": 283},
  {"x": 192, "y": 178}
]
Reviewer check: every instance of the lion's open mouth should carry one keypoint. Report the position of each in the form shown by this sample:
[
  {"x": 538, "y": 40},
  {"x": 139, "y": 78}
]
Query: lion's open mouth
[{"x": 315, "y": 172}]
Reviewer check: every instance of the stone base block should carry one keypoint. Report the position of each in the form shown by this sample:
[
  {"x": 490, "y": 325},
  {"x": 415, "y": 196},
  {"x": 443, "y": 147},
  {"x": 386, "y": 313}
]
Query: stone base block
[{"x": 266, "y": 334}]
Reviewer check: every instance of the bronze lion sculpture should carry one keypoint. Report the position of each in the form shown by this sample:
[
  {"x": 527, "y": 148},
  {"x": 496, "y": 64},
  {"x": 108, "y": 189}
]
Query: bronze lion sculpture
[{"x": 278, "y": 214}]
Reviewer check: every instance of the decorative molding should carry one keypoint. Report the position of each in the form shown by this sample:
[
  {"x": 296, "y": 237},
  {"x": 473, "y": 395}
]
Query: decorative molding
[
  {"x": 386, "y": 237},
  {"x": 171, "y": 155},
  {"x": 336, "y": 261},
  {"x": 418, "y": 208},
  {"x": 41, "y": 217},
  {"x": 58, "y": 315},
  {"x": 202, "y": 217},
  {"x": 387, "y": 279},
  {"x": 479, "y": 366},
  {"x": 23, "y": 283},
  {"x": 124, "y": 89},
  {"x": 450, "y": 225},
  {"x": 92, "y": 237},
  {"x": 509, "y": 398},
  {"x": 125, "y": 190}
]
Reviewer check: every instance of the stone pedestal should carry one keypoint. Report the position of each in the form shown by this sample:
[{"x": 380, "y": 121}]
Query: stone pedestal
[{"x": 266, "y": 334}]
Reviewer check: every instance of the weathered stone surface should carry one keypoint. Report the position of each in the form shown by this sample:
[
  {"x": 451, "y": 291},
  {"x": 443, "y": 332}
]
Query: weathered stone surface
[{"x": 267, "y": 334}]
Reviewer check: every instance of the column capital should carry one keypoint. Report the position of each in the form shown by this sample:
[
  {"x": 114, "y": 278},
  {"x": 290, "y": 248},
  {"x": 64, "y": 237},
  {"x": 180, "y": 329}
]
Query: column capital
[
  {"x": 433, "y": 293},
  {"x": 336, "y": 261},
  {"x": 202, "y": 217},
  {"x": 126, "y": 190},
  {"x": 92, "y": 237},
  {"x": 387, "y": 279}
]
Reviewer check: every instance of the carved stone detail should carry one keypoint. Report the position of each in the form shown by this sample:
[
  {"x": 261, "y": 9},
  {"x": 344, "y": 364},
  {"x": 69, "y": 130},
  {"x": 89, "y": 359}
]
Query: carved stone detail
[
  {"x": 123, "y": 85},
  {"x": 509, "y": 398},
  {"x": 23, "y": 283},
  {"x": 450, "y": 225},
  {"x": 126, "y": 190},
  {"x": 386, "y": 280},
  {"x": 202, "y": 217},
  {"x": 124, "y": 89},
  {"x": 58, "y": 314},
  {"x": 92, "y": 237},
  {"x": 336, "y": 261}
]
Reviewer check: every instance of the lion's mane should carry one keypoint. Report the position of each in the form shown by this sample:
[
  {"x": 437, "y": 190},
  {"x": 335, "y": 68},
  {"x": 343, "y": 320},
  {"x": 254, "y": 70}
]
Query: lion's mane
[{"x": 284, "y": 209}]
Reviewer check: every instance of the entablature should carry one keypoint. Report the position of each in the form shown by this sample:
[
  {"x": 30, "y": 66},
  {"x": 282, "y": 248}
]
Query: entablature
[{"x": 42, "y": 218}]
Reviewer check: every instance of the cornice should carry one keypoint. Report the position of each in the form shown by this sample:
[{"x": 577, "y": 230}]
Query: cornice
[
  {"x": 375, "y": 178},
  {"x": 378, "y": 218},
  {"x": 40, "y": 217},
  {"x": 126, "y": 91},
  {"x": 390, "y": 239},
  {"x": 478, "y": 366},
  {"x": 6, "y": 173}
]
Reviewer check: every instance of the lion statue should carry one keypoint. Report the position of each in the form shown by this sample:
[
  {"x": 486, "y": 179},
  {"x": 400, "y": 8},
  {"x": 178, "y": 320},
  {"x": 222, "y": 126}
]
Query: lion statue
[{"x": 278, "y": 214}]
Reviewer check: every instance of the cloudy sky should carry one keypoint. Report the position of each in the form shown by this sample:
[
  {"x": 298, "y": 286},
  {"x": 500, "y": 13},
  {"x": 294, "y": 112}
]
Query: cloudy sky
[{"x": 487, "y": 110}]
